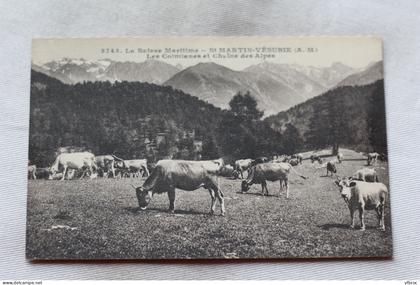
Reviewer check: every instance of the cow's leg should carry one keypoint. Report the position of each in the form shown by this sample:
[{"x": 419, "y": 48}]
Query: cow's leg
[
  {"x": 286, "y": 182},
  {"x": 264, "y": 186},
  {"x": 83, "y": 174},
  {"x": 90, "y": 172},
  {"x": 146, "y": 171},
  {"x": 171, "y": 196},
  {"x": 362, "y": 218},
  {"x": 219, "y": 196},
  {"x": 381, "y": 210},
  {"x": 281, "y": 187},
  {"x": 113, "y": 170},
  {"x": 351, "y": 217},
  {"x": 212, "y": 184},
  {"x": 64, "y": 173},
  {"x": 213, "y": 201},
  {"x": 242, "y": 175}
]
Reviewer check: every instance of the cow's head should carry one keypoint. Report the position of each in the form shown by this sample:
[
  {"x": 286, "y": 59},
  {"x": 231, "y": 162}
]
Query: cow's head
[
  {"x": 244, "y": 186},
  {"x": 345, "y": 186},
  {"x": 50, "y": 174},
  {"x": 144, "y": 197}
]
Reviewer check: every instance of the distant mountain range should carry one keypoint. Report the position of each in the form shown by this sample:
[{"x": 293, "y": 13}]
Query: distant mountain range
[
  {"x": 217, "y": 85},
  {"x": 276, "y": 87},
  {"x": 72, "y": 71},
  {"x": 370, "y": 74}
]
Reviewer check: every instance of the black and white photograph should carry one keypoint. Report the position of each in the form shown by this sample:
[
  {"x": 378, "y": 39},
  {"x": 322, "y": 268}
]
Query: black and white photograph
[{"x": 156, "y": 148}]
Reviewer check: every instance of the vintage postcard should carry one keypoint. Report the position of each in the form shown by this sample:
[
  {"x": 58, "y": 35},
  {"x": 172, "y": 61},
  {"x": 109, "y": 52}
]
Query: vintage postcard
[{"x": 207, "y": 148}]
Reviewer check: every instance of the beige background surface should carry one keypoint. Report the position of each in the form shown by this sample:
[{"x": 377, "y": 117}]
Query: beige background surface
[{"x": 396, "y": 22}]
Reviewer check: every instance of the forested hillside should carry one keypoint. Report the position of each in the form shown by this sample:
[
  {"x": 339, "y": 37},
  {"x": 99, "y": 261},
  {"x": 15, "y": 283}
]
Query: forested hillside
[
  {"x": 344, "y": 116},
  {"x": 127, "y": 119}
]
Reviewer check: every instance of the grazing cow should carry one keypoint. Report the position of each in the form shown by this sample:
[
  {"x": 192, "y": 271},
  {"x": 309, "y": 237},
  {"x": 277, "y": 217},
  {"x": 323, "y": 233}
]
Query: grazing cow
[
  {"x": 136, "y": 167},
  {"x": 106, "y": 163},
  {"x": 339, "y": 157},
  {"x": 315, "y": 157},
  {"x": 270, "y": 171},
  {"x": 77, "y": 160},
  {"x": 182, "y": 174},
  {"x": 366, "y": 174},
  {"x": 372, "y": 157},
  {"x": 32, "y": 171},
  {"x": 362, "y": 196},
  {"x": 298, "y": 156},
  {"x": 331, "y": 167},
  {"x": 243, "y": 164},
  {"x": 294, "y": 161},
  {"x": 42, "y": 173}
]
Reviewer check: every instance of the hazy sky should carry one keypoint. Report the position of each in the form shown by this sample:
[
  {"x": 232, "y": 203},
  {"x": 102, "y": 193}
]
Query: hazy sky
[{"x": 315, "y": 51}]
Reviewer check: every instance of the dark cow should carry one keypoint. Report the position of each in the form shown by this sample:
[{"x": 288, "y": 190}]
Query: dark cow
[
  {"x": 331, "y": 167},
  {"x": 43, "y": 173},
  {"x": 315, "y": 157},
  {"x": 270, "y": 171},
  {"x": 294, "y": 161},
  {"x": 362, "y": 196},
  {"x": 182, "y": 174}
]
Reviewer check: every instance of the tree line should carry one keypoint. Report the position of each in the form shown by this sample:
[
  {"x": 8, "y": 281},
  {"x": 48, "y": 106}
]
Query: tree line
[{"x": 142, "y": 120}]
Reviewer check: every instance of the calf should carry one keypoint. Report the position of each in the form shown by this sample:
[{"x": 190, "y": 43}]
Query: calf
[{"x": 363, "y": 196}]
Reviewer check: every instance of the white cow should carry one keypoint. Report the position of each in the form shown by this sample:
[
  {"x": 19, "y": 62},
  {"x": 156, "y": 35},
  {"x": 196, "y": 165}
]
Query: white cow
[
  {"x": 372, "y": 158},
  {"x": 362, "y": 196},
  {"x": 277, "y": 171},
  {"x": 366, "y": 174},
  {"x": 77, "y": 160}
]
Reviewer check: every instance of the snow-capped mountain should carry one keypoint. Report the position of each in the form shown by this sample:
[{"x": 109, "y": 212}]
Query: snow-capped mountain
[{"x": 71, "y": 70}]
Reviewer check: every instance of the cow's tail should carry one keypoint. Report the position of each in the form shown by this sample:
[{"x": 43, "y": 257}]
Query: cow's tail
[{"x": 297, "y": 173}]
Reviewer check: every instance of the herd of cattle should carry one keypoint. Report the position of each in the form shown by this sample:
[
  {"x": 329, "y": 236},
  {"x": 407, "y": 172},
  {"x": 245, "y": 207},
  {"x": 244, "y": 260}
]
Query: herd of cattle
[{"x": 362, "y": 191}]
